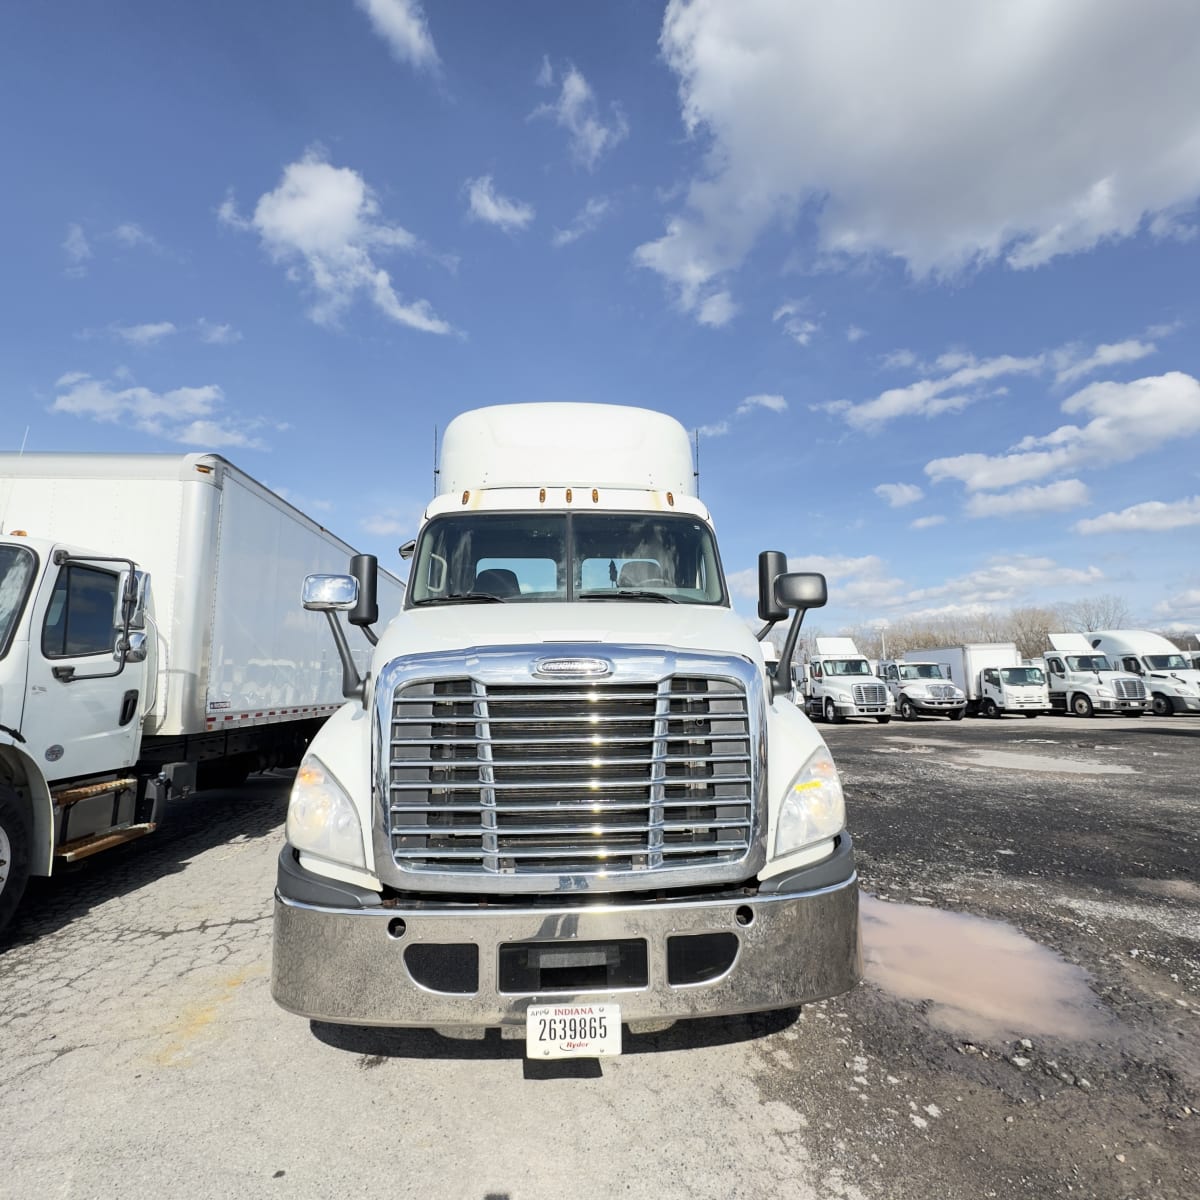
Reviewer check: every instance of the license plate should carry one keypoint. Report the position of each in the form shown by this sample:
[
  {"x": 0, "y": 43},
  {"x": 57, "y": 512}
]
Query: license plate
[{"x": 572, "y": 1031}]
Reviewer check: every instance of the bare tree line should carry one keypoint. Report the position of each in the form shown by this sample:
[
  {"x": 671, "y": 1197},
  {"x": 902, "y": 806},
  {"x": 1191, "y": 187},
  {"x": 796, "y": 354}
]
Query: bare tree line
[{"x": 1029, "y": 628}]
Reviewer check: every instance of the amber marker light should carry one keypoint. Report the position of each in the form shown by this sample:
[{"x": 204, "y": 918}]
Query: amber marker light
[
  {"x": 466, "y": 497},
  {"x": 568, "y": 495}
]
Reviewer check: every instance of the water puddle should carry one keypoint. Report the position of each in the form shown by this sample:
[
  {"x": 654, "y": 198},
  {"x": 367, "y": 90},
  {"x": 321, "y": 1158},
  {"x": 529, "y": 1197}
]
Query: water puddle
[
  {"x": 983, "y": 979},
  {"x": 1007, "y": 760}
]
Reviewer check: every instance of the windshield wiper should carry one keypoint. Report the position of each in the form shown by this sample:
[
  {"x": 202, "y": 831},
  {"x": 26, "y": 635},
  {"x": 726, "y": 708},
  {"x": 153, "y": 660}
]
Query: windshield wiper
[
  {"x": 461, "y": 598},
  {"x": 625, "y": 594}
]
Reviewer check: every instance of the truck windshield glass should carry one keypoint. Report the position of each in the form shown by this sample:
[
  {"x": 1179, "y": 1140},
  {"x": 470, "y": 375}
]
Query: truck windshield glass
[
  {"x": 847, "y": 666},
  {"x": 1088, "y": 662},
  {"x": 921, "y": 671},
  {"x": 1019, "y": 675},
  {"x": 1166, "y": 662},
  {"x": 563, "y": 557},
  {"x": 16, "y": 573}
]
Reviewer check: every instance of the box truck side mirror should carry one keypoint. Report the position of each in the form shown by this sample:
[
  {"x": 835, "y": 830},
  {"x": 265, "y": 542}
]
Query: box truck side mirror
[
  {"x": 330, "y": 593},
  {"x": 802, "y": 590},
  {"x": 133, "y": 590}
]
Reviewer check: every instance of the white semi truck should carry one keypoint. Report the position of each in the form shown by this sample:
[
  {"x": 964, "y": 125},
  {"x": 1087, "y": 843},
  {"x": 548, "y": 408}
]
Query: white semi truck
[
  {"x": 994, "y": 677},
  {"x": 1170, "y": 678},
  {"x": 839, "y": 682},
  {"x": 920, "y": 685},
  {"x": 568, "y": 796},
  {"x": 1083, "y": 681},
  {"x": 150, "y": 645}
]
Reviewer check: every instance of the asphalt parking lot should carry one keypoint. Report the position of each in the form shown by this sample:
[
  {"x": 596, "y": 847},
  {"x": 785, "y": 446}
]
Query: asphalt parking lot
[{"x": 1028, "y": 1026}]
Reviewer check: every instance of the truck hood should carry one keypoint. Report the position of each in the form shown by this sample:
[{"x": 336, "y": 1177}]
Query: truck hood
[{"x": 464, "y": 626}]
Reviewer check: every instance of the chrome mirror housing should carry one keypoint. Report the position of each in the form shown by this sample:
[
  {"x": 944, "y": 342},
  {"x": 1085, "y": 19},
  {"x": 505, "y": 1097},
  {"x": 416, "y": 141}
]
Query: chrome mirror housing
[{"x": 330, "y": 593}]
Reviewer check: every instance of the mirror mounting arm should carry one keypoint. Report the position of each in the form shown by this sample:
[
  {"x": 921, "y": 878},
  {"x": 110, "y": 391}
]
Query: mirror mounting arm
[{"x": 354, "y": 686}]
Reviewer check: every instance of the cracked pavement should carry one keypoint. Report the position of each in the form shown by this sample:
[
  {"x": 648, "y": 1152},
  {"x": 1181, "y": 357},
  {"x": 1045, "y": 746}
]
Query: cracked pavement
[{"x": 142, "y": 1054}]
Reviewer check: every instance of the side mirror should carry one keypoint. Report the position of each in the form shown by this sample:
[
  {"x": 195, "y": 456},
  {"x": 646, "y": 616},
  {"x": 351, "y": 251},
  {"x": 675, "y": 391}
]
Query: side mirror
[
  {"x": 133, "y": 589},
  {"x": 329, "y": 593},
  {"x": 408, "y": 549},
  {"x": 132, "y": 649},
  {"x": 365, "y": 569},
  {"x": 801, "y": 589},
  {"x": 771, "y": 565}
]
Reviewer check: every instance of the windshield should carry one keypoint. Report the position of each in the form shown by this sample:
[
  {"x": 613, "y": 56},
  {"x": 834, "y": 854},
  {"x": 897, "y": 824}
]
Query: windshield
[
  {"x": 547, "y": 557},
  {"x": 1166, "y": 662},
  {"x": 921, "y": 671},
  {"x": 847, "y": 666},
  {"x": 1088, "y": 662},
  {"x": 16, "y": 570},
  {"x": 1022, "y": 675}
]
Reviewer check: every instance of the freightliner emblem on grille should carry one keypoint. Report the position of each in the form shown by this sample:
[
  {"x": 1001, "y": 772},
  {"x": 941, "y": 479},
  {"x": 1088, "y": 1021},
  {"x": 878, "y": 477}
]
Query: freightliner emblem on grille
[{"x": 572, "y": 668}]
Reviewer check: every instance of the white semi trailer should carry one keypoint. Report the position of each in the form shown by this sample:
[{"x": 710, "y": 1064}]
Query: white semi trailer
[
  {"x": 839, "y": 682},
  {"x": 994, "y": 677},
  {"x": 568, "y": 795},
  {"x": 1083, "y": 681},
  {"x": 150, "y": 644},
  {"x": 1170, "y": 678}
]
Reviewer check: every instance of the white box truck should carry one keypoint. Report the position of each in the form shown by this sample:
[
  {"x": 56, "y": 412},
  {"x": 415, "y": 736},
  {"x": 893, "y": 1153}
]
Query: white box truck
[
  {"x": 919, "y": 685},
  {"x": 1082, "y": 680},
  {"x": 1171, "y": 680},
  {"x": 994, "y": 677},
  {"x": 839, "y": 682},
  {"x": 150, "y": 643},
  {"x": 568, "y": 796}
]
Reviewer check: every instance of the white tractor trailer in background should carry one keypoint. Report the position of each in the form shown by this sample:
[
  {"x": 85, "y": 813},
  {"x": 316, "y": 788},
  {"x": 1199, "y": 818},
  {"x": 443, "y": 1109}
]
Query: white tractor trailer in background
[
  {"x": 994, "y": 677},
  {"x": 1083, "y": 681},
  {"x": 1171, "y": 680},
  {"x": 569, "y": 794},
  {"x": 839, "y": 682},
  {"x": 151, "y": 644}
]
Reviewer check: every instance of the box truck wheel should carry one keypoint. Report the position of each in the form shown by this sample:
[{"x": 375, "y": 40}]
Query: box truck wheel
[
  {"x": 1081, "y": 706},
  {"x": 1162, "y": 705},
  {"x": 831, "y": 713},
  {"x": 907, "y": 710},
  {"x": 990, "y": 708},
  {"x": 16, "y": 836},
  {"x": 957, "y": 714}
]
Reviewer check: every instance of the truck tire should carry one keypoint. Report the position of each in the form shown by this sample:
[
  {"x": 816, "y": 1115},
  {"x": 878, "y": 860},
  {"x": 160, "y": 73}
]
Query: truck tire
[
  {"x": 831, "y": 713},
  {"x": 1162, "y": 705},
  {"x": 1030, "y": 716},
  {"x": 16, "y": 838},
  {"x": 990, "y": 708},
  {"x": 883, "y": 720},
  {"x": 907, "y": 711},
  {"x": 957, "y": 714},
  {"x": 1081, "y": 706}
]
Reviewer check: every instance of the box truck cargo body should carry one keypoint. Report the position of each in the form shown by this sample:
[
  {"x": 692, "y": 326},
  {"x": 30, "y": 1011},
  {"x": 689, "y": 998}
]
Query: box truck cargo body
[
  {"x": 570, "y": 795},
  {"x": 1171, "y": 680},
  {"x": 150, "y": 642},
  {"x": 994, "y": 676}
]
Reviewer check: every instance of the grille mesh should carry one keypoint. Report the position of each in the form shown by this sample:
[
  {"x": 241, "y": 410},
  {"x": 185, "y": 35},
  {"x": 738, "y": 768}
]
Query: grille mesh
[
  {"x": 870, "y": 695},
  {"x": 569, "y": 778},
  {"x": 1129, "y": 689}
]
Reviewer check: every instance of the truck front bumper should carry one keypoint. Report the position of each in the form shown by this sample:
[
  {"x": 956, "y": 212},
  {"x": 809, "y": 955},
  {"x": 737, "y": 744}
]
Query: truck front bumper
[{"x": 438, "y": 964}]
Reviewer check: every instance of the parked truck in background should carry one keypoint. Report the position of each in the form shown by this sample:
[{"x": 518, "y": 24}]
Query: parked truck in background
[
  {"x": 920, "y": 685},
  {"x": 1171, "y": 680},
  {"x": 150, "y": 645},
  {"x": 568, "y": 795},
  {"x": 1082, "y": 680},
  {"x": 994, "y": 677},
  {"x": 839, "y": 682}
]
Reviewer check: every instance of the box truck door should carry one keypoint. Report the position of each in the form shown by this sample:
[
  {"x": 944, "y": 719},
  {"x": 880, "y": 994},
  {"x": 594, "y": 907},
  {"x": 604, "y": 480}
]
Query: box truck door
[{"x": 81, "y": 718}]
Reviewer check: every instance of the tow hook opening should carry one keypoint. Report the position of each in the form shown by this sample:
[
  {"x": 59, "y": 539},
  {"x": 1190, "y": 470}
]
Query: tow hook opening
[
  {"x": 744, "y": 915},
  {"x": 397, "y": 928}
]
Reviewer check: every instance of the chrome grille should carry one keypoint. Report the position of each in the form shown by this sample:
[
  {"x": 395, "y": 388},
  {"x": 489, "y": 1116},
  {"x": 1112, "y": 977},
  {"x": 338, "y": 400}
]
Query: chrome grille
[
  {"x": 870, "y": 695},
  {"x": 941, "y": 691},
  {"x": 569, "y": 778},
  {"x": 1129, "y": 689}
]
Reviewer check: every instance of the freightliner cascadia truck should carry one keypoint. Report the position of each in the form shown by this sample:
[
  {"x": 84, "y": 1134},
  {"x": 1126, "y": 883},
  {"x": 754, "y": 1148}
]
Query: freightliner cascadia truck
[
  {"x": 150, "y": 645},
  {"x": 568, "y": 796}
]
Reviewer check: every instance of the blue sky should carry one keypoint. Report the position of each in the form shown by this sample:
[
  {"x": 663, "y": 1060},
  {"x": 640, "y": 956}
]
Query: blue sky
[{"x": 923, "y": 276}]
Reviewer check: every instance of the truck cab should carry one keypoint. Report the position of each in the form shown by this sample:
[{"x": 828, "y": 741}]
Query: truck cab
[
  {"x": 1083, "y": 681},
  {"x": 1016, "y": 689},
  {"x": 923, "y": 688},
  {"x": 839, "y": 682},
  {"x": 1171, "y": 680}
]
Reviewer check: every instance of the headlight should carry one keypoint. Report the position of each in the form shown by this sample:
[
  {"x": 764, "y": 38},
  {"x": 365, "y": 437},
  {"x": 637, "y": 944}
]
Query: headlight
[
  {"x": 321, "y": 820},
  {"x": 1103, "y": 691},
  {"x": 814, "y": 808}
]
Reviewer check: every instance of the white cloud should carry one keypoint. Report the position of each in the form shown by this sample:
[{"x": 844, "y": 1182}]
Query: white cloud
[
  {"x": 401, "y": 23},
  {"x": 851, "y": 580},
  {"x": 772, "y": 403},
  {"x": 1107, "y": 355},
  {"x": 1182, "y": 609},
  {"x": 1128, "y": 419},
  {"x": 577, "y": 111},
  {"x": 926, "y": 522},
  {"x": 1151, "y": 516},
  {"x": 1002, "y": 581},
  {"x": 132, "y": 235},
  {"x": 929, "y": 397},
  {"x": 217, "y": 335},
  {"x": 586, "y": 221},
  {"x": 898, "y": 359},
  {"x": 1053, "y": 497},
  {"x": 487, "y": 205},
  {"x": 78, "y": 251},
  {"x": 144, "y": 335},
  {"x": 796, "y": 324},
  {"x": 899, "y": 494},
  {"x": 717, "y": 429},
  {"x": 323, "y": 224},
  {"x": 716, "y": 310},
  {"x": 855, "y": 334},
  {"x": 940, "y": 151},
  {"x": 186, "y": 415}
]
